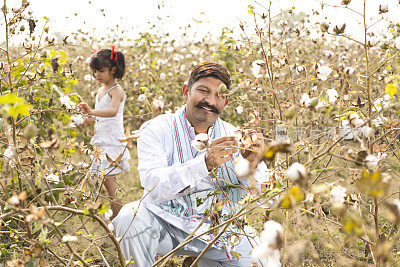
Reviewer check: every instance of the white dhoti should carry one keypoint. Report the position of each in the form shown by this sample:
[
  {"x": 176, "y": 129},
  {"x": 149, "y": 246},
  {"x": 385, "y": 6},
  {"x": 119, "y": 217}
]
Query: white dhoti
[{"x": 149, "y": 235}]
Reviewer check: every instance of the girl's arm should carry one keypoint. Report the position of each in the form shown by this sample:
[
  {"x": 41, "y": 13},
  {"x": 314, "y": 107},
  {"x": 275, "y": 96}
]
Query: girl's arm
[{"x": 116, "y": 97}]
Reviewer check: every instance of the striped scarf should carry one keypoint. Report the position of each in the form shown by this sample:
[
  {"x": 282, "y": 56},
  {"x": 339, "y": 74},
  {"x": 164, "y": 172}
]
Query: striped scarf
[{"x": 185, "y": 206}]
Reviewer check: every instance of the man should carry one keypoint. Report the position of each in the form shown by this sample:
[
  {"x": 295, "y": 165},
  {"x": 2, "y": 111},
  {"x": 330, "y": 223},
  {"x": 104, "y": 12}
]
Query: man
[{"x": 183, "y": 185}]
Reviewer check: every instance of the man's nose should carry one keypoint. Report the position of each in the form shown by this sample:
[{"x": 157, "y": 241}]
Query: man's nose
[{"x": 211, "y": 99}]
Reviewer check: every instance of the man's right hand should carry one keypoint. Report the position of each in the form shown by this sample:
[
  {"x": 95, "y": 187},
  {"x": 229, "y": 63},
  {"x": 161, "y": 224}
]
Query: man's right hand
[{"x": 220, "y": 151}]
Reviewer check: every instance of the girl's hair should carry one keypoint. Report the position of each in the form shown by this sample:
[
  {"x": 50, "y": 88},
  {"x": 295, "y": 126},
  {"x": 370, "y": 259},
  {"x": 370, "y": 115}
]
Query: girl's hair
[{"x": 106, "y": 58}]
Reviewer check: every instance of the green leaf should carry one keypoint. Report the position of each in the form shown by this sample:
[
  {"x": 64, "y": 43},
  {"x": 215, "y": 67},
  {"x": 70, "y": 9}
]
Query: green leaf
[
  {"x": 391, "y": 89},
  {"x": 62, "y": 54},
  {"x": 372, "y": 184},
  {"x": 352, "y": 225},
  {"x": 30, "y": 263},
  {"x": 18, "y": 109},
  {"x": 218, "y": 206},
  {"x": 293, "y": 197},
  {"x": 103, "y": 209},
  {"x": 11, "y": 99},
  {"x": 43, "y": 235}
]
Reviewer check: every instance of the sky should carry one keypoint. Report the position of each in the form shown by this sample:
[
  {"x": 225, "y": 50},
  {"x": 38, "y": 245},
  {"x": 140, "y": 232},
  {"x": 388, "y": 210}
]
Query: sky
[{"x": 172, "y": 16}]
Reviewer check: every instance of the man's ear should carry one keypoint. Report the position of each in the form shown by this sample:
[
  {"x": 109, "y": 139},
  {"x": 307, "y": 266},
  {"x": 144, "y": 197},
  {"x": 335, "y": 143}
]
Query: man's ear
[{"x": 185, "y": 91}]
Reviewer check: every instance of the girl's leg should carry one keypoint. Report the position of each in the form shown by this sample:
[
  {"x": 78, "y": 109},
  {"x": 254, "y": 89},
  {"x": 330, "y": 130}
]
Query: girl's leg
[{"x": 112, "y": 187}]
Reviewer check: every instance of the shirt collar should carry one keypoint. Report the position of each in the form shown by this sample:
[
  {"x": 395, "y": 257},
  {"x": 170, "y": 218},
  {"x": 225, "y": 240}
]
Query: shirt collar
[{"x": 210, "y": 131}]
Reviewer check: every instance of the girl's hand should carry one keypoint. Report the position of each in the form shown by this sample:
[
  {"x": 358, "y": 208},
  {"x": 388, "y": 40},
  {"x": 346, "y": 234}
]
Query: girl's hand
[
  {"x": 84, "y": 107},
  {"x": 87, "y": 120}
]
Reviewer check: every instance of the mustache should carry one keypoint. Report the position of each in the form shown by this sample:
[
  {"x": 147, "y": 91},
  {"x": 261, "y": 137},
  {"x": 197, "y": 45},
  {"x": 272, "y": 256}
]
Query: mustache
[{"x": 206, "y": 105}]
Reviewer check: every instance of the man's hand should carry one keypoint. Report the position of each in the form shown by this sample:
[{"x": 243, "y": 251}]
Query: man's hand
[
  {"x": 220, "y": 151},
  {"x": 253, "y": 153},
  {"x": 84, "y": 107}
]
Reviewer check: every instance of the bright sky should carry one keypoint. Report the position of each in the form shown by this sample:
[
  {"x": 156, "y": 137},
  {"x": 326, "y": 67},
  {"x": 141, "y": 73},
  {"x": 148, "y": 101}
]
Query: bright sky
[{"x": 133, "y": 15}]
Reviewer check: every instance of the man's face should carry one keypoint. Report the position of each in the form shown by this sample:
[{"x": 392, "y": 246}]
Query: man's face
[{"x": 203, "y": 101}]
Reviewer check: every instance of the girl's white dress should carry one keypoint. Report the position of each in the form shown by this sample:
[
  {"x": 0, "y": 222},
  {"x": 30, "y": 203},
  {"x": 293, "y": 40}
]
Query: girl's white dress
[{"x": 108, "y": 131}]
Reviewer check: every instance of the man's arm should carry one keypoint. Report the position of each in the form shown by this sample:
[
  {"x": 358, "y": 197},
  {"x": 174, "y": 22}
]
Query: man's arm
[{"x": 162, "y": 181}]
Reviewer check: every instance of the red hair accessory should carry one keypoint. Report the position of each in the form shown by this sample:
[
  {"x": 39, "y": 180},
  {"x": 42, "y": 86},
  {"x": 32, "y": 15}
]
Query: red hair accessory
[
  {"x": 94, "y": 51},
  {"x": 113, "y": 54}
]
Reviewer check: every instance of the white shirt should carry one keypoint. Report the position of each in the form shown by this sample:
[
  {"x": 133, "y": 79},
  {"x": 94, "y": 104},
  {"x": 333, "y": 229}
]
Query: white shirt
[{"x": 165, "y": 180}]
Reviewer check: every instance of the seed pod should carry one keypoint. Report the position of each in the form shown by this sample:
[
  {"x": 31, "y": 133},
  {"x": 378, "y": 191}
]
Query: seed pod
[
  {"x": 324, "y": 27},
  {"x": 314, "y": 102},
  {"x": 291, "y": 112},
  {"x": 223, "y": 89},
  {"x": 30, "y": 131}
]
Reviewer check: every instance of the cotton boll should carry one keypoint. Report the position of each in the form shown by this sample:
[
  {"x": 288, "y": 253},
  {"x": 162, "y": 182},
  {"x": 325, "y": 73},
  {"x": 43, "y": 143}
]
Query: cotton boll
[
  {"x": 67, "y": 103},
  {"x": 383, "y": 8},
  {"x": 349, "y": 71},
  {"x": 242, "y": 167},
  {"x": 371, "y": 162},
  {"x": 305, "y": 100},
  {"x": 296, "y": 172},
  {"x": 141, "y": 98},
  {"x": 239, "y": 109},
  {"x": 13, "y": 200},
  {"x": 256, "y": 68},
  {"x": 323, "y": 72},
  {"x": 108, "y": 214},
  {"x": 272, "y": 234},
  {"x": 87, "y": 77},
  {"x": 337, "y": 195},
  {"x": 158, "y": 104},
  {"x": 77, "y": 119},
  {"x": 201, "y": 142},
  {"x": 365, "y": 132},
  {"x": 53, "y": 178},
  {"x": 69, "y": 238},
  {"x": 332, "y": 95},
  {"x": 8, "y": 153},
  {"x": 261, "y": 251}
]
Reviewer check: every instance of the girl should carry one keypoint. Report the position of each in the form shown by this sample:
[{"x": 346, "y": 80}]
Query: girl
[{"x": 108, "y": 65}]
